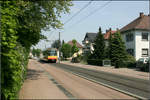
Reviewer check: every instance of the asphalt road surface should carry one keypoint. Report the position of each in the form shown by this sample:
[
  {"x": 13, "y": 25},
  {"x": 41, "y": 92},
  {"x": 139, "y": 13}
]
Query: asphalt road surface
[
  {"x": 135, "y": 87},
  {"x": 76, "y": 87}
]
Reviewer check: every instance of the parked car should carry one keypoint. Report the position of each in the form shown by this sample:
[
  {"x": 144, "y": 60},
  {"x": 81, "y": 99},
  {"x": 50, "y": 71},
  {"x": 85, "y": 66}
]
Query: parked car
[{"x": 142, "y": 62}]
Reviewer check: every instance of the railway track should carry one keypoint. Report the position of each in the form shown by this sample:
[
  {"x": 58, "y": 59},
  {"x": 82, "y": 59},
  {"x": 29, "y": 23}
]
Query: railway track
[{"x": 138, "y": 88}]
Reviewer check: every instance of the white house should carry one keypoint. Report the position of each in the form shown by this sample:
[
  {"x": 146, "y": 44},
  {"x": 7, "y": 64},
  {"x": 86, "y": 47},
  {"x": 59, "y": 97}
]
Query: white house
[
  {"x": 88, "y": 42},
  {"x": 136, "y": 36}
]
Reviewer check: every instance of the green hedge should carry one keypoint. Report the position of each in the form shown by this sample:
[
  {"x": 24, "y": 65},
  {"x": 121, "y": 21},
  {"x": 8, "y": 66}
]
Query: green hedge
[
  {"x": 95, "y": 62},
  {"x": 123, "y": 64},
  {"x": 14, "y": 65}
]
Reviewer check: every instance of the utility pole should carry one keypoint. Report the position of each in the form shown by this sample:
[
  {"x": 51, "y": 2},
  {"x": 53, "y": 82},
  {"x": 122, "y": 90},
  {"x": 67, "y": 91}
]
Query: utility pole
[{"x": 59, "y": 47}]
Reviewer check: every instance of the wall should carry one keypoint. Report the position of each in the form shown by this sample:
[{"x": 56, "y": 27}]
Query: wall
[
  {"x": 129, "y": 44},
  {"x": 141, "y": 44}
]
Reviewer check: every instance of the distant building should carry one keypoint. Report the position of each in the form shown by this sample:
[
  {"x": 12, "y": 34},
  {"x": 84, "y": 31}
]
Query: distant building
[
  {"x": 78, "y": 46},
  {"x": 107, "y": 35},
  {"x": 88, "y": 42},
  {"x": 136, "y": 36}
]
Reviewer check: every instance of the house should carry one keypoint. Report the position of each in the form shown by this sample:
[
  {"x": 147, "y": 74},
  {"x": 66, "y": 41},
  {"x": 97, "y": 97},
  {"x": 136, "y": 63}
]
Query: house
[
  {"x": 78, "y": 46},
  {"x": 88, "y": 42},
  {"x": 107, "y": 35},
  {"x": 136, "y": 36}
]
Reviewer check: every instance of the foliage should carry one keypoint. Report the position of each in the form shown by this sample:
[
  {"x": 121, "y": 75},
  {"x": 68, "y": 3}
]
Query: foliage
[
  {"x": 66, "y": 50},
  {"x": 99, "y": 46},
  {"x": 36, "y": 52},
  {"x": 56, "y": 44},
  {"x": 74, "y": 48},
  {"x": 63, "y": 42},
  {"x": 37, "y": 15},
  {"x": 21, "y": 25},
  {"x": 109, "y": 48},
  {"x": 95, "y": 62},
  {"x": 76, "y": 59},
  {"x": 14, "y": 65},
  {"x": 118, "y": 52}
]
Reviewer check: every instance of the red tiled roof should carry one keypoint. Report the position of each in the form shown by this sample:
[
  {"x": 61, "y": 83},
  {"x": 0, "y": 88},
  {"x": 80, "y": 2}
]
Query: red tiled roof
[
  {"x": 78, "y": 44},
  {"x": 142, "y": 22},
  {"x": 106, "y": 36}
]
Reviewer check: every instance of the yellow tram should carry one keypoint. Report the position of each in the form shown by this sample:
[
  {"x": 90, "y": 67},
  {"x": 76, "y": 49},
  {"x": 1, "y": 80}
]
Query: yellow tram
[{"x": 52, "y": 55}]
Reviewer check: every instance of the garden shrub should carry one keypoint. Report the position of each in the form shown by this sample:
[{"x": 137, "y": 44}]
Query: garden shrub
[
  {"x": 98, "y": 62},
  {"x": 14, "y": 66}
]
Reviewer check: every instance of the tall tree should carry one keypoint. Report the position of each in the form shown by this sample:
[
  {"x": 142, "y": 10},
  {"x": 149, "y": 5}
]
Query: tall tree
[
  {"x": 66, "y": 50},
  {"x": 56, "y": 44},
  {"x": 74, "y": 48},
  {"x": 99, "y": 46},
  {"x": 109, "y": 48},
  {"x": 118, "y": 51},
  {"x": 63, "y": 42}
]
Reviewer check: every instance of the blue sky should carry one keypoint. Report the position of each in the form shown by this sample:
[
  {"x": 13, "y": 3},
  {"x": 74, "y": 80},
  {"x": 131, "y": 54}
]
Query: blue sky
[{"x": 114, "y": 14}]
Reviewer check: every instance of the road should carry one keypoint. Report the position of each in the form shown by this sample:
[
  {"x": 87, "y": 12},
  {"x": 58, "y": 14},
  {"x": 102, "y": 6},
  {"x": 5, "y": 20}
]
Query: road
[
  {"x": 78, "y": 87},
  {"x": 61, "y": 81},
  {"x": 138, "y": 88}
]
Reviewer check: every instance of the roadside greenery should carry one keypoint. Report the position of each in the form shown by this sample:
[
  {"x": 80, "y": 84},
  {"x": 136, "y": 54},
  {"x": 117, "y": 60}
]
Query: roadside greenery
[
  {"x": 74, "y": 48},
  {"x": 99, "y": 50},
  {"x": 21, "y": 25},
  {"x": 66, "y": 50},
  {"x": 36, "y": 52},
  {"x": 118, "y": 50},
  {"x": 56, "y": 44}
]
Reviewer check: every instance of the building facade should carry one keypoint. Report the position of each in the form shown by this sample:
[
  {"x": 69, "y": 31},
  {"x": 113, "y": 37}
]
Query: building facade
[
  {"x": 88, "y": 42},
  {"x": 136, "y": 36}
]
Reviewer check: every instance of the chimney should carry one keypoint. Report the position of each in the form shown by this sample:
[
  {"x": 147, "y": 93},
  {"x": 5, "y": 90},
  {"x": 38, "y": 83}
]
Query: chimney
[{"x": 141, "y": 14}]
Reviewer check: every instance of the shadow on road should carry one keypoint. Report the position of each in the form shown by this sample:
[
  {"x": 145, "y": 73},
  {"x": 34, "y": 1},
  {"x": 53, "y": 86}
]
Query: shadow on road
[
  {"x": 44, "y": 61},
  {"x": 33, "y": 74}
]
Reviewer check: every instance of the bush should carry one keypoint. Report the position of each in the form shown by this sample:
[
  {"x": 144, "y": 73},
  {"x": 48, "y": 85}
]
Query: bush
[
  {"x": 14, "y": 65},
  {"x": 130, "y": 63},
  {"x": 95, "y": 62},
  {"x": 76, "y": 59}
]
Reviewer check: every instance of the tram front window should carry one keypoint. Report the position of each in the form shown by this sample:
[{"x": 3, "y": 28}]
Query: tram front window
[{"x": 53, "y": 53}]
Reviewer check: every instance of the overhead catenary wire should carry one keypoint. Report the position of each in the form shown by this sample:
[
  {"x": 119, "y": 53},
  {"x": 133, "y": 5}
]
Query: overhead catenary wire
[
  {"x": 90, "y": 14},
  {"x": 85, "y": 6}
]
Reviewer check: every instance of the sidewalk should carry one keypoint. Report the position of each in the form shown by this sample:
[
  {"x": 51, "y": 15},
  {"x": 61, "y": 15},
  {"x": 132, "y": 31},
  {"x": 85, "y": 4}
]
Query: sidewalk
[
  {"x": 121, "y": 71},
  {"x": 38, "y": 86}
]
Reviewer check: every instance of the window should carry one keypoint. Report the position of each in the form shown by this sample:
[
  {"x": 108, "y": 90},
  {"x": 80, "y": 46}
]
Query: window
[
  {"x": 144, "y": 52},
  {"x": 129, "y": 37},
  {"x": 130, "y": 51},
  {"x": 145, "y": 36}
]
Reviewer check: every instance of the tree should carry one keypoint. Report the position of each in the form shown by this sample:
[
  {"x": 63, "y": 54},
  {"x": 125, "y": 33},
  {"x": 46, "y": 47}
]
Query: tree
[
  {"x": 56, "y": 44},
  {"x": 63, "y": 42},
  {"x": 36, "y": 52},
  {"x": 66, "y": 50},
  {"x": 109, "y": 48},
  {"x": 21, "y": 25},
  {"x": 99, "y": 46},
  {"x": 118, "y": 51},
  {"x": 74, "y": 48},
  {"x": 35, "y": 16}
]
